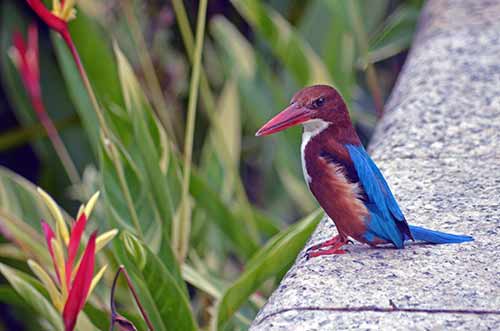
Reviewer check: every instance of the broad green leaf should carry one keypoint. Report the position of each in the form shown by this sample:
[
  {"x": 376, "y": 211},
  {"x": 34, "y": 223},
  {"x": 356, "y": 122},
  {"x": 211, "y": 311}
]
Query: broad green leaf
[
  {"x": 280, "y": 250},
  {"x": 214, "y": 288},
  {"x": 97, "y": 316},
  {"x": 202, "y": 282},
  {"x": 163, "y": 297},
  {"x": 152, "y": 145},
  {"x": 211, "y": 285},
  {"x": 141, "y": 216},
  {"x": 32, "y": 296},
  {"x": 223, "y": 217},
  {"x": 21, "y": 209}
]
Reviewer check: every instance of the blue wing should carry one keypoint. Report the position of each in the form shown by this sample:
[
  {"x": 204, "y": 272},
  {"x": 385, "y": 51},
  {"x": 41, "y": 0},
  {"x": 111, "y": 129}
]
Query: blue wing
[{"x": 387, "y": 221}]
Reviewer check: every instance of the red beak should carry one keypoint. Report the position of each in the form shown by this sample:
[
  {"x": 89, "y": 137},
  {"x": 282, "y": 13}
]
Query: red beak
[{"x": 290, "y": 116}]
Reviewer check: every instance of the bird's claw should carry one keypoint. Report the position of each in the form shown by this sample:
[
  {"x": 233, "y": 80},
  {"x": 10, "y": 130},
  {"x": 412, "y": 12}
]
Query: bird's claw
[{"x": 333, "y": 251}]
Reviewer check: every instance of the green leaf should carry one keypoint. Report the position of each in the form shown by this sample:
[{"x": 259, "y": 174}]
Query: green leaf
[
  {"x": 396, "y": 34},
  {"x": 152, "y": 145},
  {"x": 254, "y": 89},
  {"x": 32, "y": 296},
  {"x": 295, "y": 53},
  {"x": 216, "y": 164},
  {"x": 202, "y": 282},
  {"x": 119, "y": 211},
  {"x": 164, "y": 297},
  {"x": 97, "y": 57},
  {"x": 280, "y": 250},
  {"x": 223, "y": 217},
  {"x": 21, "y": 209}
]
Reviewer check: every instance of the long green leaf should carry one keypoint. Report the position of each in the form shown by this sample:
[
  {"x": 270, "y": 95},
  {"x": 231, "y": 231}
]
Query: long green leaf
[
  {"x": 21, "y": 209},
  {"x": 223, "y": 217},
  {"x": 118, "y": 210},
  {"x": 32, "y": 296},
  {"x": 152, "y": 146},
  {"x": 163, "y": 296},
  {"x": 280, "y": 250}
]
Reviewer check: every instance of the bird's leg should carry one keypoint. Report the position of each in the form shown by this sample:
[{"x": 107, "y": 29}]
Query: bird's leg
[
  {"x": 330, "y": 242},
  {"x": 334, "y": 245}
]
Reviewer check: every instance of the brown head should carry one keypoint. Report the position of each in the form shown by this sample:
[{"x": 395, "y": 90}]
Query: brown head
[{"x": 314, "y": 102}]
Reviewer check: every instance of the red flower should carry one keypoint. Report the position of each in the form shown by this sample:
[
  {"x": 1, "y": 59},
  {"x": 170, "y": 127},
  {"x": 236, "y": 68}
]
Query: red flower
[
  {"x": 81, "y": 285},
  {"x": 25, "y": 57},
  {"x": 49, "y": 235},
  {"x": 57, "y": 18},
  {"x": 75, "y": 281},
  {"x": 78, "y": 289},
  {"x": 74, "y": 243}
]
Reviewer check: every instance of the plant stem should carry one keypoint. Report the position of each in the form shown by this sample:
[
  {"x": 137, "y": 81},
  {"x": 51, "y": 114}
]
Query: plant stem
[
  {"x": 209, "y": 103},
  {"x": 106, "y": 132},
  {"x": 184, "y": 220},
  {"x": 56, "y": 141},
  {"x": 131, "y": 287},
  {"x": 148, "y": 69},
  {"x": 371, "y": 73},
  {"x": 22, "y": 135}
]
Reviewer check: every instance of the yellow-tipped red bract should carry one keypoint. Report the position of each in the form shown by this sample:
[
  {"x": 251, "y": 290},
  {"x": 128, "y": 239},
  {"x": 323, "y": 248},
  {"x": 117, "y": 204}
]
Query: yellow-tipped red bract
[
  {"x": 74, "y": 274},
  {"x": 62, "y": 12}
]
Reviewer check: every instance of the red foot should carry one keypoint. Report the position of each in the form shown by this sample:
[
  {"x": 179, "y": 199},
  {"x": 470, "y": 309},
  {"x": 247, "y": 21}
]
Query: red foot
[
  {"x": 330, "y": 242},
  {"x": 334, "y": 245}
]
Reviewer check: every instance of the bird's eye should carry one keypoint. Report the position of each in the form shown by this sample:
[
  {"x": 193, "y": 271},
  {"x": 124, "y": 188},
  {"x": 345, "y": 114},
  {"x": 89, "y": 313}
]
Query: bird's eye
[{"x": 318, "y": 102}]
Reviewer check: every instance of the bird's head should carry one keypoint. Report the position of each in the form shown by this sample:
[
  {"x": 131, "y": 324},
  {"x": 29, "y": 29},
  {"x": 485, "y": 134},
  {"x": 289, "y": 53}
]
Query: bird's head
[{"x": 318, "y": 102}]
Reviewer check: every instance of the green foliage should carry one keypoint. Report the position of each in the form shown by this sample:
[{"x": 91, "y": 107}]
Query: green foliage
[
  {"x": 235, "y": 241},
  {"x": 159, "y": 284},
  {"x": 32, "y": 296},
  {"x": 280, "y": 251}
]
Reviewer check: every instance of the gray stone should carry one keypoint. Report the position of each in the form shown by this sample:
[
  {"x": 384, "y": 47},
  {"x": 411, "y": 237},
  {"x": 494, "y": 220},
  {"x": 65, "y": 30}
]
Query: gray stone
[{"x": 438, "y": 146}]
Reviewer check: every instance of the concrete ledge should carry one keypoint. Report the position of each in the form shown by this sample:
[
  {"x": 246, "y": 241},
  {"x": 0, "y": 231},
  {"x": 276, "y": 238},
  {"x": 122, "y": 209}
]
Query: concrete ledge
[{"x": 439, "y": 148}]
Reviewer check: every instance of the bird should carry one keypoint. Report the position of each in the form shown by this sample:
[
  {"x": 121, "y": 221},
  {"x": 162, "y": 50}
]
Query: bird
[{"x": 344, "y": 179}]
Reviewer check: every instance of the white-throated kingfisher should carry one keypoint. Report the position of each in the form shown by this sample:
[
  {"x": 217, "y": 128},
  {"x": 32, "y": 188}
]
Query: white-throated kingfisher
[{"x": 343, "y": 178}]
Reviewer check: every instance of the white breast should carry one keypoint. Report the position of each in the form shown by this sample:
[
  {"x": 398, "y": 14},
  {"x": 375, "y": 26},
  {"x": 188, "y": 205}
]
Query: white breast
[{"x": 311, "y": 129}]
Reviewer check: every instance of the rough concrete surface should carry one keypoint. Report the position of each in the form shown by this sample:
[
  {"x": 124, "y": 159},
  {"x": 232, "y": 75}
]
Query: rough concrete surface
[{"x": 439, "y": 148}]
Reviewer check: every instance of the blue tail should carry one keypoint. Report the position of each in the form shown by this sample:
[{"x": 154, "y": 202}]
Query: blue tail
[{"x": 436, "y": 237}]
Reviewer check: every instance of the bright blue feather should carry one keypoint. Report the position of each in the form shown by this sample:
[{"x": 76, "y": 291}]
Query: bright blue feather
[
  {"x": 437, "y": 237},
  {"x": 383, "y": 208},
  {"x": 386, "y": 219}
]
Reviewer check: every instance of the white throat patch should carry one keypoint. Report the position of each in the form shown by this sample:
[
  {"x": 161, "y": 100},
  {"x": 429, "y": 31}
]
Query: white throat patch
[{"x": 311, "y": 129}]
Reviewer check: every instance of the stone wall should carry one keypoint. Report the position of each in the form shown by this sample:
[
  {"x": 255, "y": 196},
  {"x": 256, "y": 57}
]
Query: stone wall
[{"x": 439, "y": 148}]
